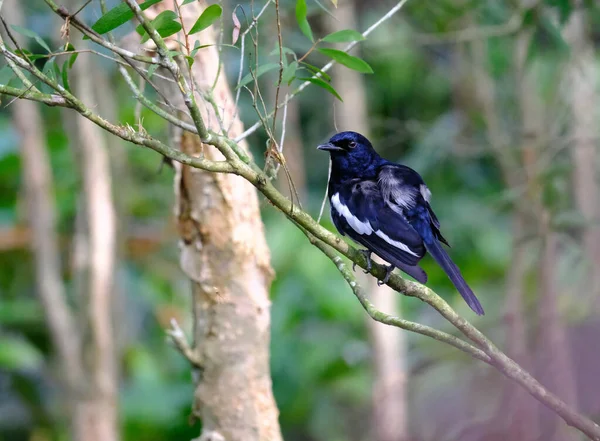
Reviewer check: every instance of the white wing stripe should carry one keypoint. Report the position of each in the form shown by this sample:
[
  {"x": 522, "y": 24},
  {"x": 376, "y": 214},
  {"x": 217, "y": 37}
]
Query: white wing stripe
[
  {"x": 357, "y": 225},
  {"x": 395, "y": 243}
]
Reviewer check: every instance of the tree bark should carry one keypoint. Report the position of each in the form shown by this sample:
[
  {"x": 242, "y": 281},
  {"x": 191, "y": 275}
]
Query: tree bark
[
  {"x": 389, "y": 395},
  {"x": 552, "y": 354},
  {"x": 41, "y": 215},
  {"x": 96, "y": 417},
  {"x": 582, "y": 95},
  {"x": 517, "y": 404},
  {"x": 224, "y": 253}
]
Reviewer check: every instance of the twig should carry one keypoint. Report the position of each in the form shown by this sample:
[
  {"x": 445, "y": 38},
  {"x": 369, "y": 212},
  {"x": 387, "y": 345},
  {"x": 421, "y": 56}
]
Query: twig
[
  {"x": 325, "y": 68},
  {"x": 179, "y": 339},
  {"x": 387, "y": 319}
]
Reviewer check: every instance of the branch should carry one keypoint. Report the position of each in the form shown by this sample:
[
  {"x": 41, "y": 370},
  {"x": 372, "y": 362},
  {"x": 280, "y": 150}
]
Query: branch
[
  {"x": 387, "y": 319},
  {"x": 95, "y": 37},
  {"x": 325, "y": 68},
  {"x": 180, "y": 341}
]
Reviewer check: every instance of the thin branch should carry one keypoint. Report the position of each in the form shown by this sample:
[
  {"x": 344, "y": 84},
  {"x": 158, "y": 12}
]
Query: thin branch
[
  {"x": 96, "y": 38},
  {"x": 387, "y": 319},
  {"x": 325, "y": 68},
  {"x": 180, "y": 341},
  {"x": 471, "y": 34}
]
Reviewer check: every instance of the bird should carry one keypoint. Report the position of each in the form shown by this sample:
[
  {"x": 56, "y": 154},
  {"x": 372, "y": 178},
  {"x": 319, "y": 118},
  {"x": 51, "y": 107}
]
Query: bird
[{"x": 386, "y": 208}]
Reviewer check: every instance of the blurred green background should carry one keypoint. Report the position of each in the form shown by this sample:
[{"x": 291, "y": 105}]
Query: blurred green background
[{"x": 426, "y": 106}]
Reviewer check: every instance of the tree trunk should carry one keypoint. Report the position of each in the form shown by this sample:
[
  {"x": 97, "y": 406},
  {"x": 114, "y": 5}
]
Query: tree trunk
[
  {"x": 224, "y": 252},
  {"x": 96, "y": 416},
  {"x": 582, "y": 94},
  {"x": 522, "y": 410},
  {"x": 552, "y": 352},
  {"x": 389, "y": 396},
  {"x": 41, "y": 214}
]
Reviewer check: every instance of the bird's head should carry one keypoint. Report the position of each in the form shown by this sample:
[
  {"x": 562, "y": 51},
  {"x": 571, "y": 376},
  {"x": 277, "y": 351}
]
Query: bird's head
[{"x": 350, "y": 150}]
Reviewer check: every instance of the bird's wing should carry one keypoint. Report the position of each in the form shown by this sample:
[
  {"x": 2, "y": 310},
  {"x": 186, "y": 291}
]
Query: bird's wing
[
  {"x": 360, "y": 211},
  {"x": 405, "y": 192}
]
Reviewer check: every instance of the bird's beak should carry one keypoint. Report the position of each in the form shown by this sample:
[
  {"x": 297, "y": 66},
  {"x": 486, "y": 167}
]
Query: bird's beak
[{"x": 328, "y": 147}]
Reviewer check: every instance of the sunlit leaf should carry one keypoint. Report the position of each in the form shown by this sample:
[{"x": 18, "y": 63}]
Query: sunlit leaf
[
  {"x": 166, "y": 23},
  {"x": 207, "y": 18},
  {"x": 347, "y": 60},
  {"x": 117, "y": 16},
  {"x": 260, "y": 71},
  {"x": 29, "y": 33},
  {"x": 344, "y": 36},
  {"x": 301, "y": 19},
  {"x": 325, "y": 85},
  {"x": 187, "y": 2}
]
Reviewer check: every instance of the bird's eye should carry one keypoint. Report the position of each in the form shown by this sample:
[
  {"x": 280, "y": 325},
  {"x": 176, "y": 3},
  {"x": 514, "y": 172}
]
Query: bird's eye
[{"x": 352, "y": 144}]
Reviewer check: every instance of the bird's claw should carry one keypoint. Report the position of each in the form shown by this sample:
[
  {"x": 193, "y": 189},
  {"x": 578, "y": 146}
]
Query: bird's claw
[
  {"x": 367, "y": 255},
  {"x": 388, "y": 273}
]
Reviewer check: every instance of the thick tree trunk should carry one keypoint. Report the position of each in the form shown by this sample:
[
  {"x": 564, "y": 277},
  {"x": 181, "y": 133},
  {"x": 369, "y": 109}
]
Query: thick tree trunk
[
  {"x": 224, "y": 252},
  {"x": 389, "y": 396}
]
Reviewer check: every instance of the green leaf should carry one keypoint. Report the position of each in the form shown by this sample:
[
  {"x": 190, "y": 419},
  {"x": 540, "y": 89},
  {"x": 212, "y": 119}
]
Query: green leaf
[
  {"x": 165, "y": 24},
  {"x": 315, "y": 70},
  {"x": 285, "y": 50},
  {"x": 48, "y": 69},
  {"x": 257, "y": 73},
  {"x": 117, "y": 16},
  {"x": 301, "y": 19},
  {"x": 24, "y": 53},
  {"x": 207, "y": 18},
  {"x": 29, "y": 33},
  {"x": 187, "y": 2},
  {"x": 288, "y": 73},
  {"x": 344, "y": 36},
  {"x": 347, "y": 60},
  {"x": 6, "y": 74},
  {"x": 319, "y": 82},
  {"x": 18, "y": 353},
  {"x": 70, "y": 48},
  {"x": 151, "y": 70},
  {"x": 198, "y": 46},
  {"x": 65, "y": 76}
]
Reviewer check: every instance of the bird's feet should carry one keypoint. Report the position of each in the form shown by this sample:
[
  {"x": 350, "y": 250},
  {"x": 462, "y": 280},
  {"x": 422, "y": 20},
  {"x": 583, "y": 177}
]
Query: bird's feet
[
  {"x": 388, "y": 273},
  {"x": 367, "y": 255}
]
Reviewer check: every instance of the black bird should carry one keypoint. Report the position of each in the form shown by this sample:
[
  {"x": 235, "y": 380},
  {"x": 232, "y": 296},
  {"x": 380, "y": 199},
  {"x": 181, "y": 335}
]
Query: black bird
[{"x": 385, "y": 207}]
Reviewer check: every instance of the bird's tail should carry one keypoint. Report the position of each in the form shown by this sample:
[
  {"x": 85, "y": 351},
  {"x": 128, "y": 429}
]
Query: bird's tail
[{"x": 443, "y": 259}]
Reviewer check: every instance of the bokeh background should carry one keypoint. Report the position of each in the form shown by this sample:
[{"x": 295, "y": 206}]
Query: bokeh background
[{"x": 495, "y": 103}]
